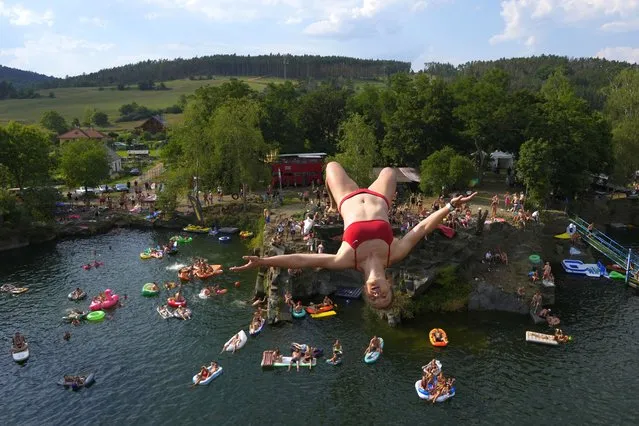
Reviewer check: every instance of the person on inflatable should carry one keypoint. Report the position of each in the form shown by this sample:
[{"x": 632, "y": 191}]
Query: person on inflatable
[
  {"x": 548, "y": 272},
  {"x": 438, "y": 336},
  {"x": 368, "y": 244},
  {"x": 560, "y": 336},
  {"x": 204, "y": 372},
  {"x": 373, "y": 346},
  {"x": 213, "y": 367},
  {"x": 327, "y": 301},
  {"x": 277, "y": 355},
  {"x": 298, "y": 307},
  {"x": 308, "y": 356},
  {"x": 235, "y": 342},
  {"x": 296, "y": 356}
]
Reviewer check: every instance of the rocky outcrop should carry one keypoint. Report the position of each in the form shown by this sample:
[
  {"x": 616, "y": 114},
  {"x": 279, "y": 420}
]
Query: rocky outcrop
[{"x": 489, "y": 297}]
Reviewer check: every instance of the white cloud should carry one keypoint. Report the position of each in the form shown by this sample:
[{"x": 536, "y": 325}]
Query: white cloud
[
  {"x": 627, "y": 54},
  {"x": 151, "y": 16},
  {"x": 325, "y": 17},
  {"x": 95, "y": 21},
  {"x": 524, "y": 19},
  {"x": 21, "y": 16},
  {"x": 621, "y": 26},
  {"x": 57, "y": 54}
]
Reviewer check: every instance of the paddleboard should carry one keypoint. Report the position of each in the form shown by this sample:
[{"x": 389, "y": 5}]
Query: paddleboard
[{"x": 372, "y": 357}]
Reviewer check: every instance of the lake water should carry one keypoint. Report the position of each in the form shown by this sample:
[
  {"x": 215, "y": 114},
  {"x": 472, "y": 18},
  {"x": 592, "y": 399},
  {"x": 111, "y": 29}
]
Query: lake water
[{"x": 144, "y": 364}]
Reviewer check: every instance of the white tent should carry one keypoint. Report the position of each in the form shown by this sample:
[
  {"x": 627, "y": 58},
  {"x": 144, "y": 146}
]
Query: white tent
[{"x": 501, "y": 160}]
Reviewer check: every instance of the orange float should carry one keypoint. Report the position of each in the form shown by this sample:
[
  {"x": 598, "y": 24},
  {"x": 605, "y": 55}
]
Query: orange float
[
  {"x": 237, "y": 283},
  {"x": 313, "y": 310},
  {"x": 438, "y": 343}
]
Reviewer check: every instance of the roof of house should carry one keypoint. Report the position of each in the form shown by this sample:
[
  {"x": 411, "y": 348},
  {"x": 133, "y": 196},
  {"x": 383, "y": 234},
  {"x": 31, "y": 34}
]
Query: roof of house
[
  {"x": 79, "y": 133},
  {"x": 157, "y": 118}
]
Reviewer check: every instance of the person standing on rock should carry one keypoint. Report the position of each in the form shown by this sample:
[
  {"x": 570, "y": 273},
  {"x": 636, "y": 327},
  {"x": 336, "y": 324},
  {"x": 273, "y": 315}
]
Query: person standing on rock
[{"x": 368, "y": 244}]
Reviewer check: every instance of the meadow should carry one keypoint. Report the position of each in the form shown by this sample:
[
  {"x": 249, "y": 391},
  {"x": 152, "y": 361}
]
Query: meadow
[{"x": 72, "y": 102}]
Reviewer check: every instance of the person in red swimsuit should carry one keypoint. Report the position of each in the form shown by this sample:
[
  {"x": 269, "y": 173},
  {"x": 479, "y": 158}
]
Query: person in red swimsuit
[{"x": 368, "y": 244}]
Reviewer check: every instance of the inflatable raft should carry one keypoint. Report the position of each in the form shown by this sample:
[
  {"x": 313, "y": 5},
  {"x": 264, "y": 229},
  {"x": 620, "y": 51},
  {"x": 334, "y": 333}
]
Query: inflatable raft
[
  {"x": 181, "y": 240},
  {"x": 243, "y": 339},
  {"x": 164, "y": 312},
  {"x": 210, "y": 377},
  {"x": 285, "y": 361},
  {"x": 544, "y": 339},
  {"x": 437, "y": 371},
  {"x": 296, "y": 314},
  {"x": 96, "y": 316},
  {"x": 150, "y": 289},
  {"x": 19, "y": 348},
  {"x": 372, "y": 357},
  {"x": 256, "y": 331},
  {"x": 75, "y": 297},
  {"x": 424, "y": 394},
  {"x": 320, "y": 309},
  {"x": 77, "y": 382},
  {"x": 431, "y": 337},
  {"x": 196, "y": 229},
  {"x": 324, "y": 314},
  {"x": 110, "y": 301},
  {"x": 176, "y": 303}
]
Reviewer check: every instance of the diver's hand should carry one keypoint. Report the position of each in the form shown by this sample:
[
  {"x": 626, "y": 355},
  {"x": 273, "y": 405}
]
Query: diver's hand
[
  {"x": 459, "y": 200},
  {"x": 251, "y": 263}
]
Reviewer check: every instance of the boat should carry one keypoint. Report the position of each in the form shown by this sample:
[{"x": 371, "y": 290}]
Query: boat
[
  {"x": 372, "y": 357},
  {"x": 181, "y": 240},
  {"x": 77, "y": 296},
  {"x": 437, "y": 371},
  {"x": 285, "y": 361},
  {"x": 545, "y": 339},
  {"x": 10, "y": 288},
  {"x": 298, "y": 314},
  {"x": 324, "y": 314},
  {"x": 243, "y": 339},
  {"x": 78, "y": 381},
  {"x": 197, "y": 229},
  {"x": 96, "y": 316},
  {"x": 150, "y": 289},
  {"x": 210, "y": 377},
  {"x": 19, "y": 348},
  {"x": 424, "y": 394},
  {"x": 564, "y": 236},
  {"x": 164, "y": 312},
  {"x": 431, "y": 337},
  {"x": 246, "y": 234},
  {"x": 256, "y": 331},
  {"x": 616, "y": 275},
  {"x": 182, "y": 313},
  {"x": 224, "y": 239},
  {"x": 110, "y": 300},
  {"x": 318, "y": 309},
  {"x": 176, "y": 303}
]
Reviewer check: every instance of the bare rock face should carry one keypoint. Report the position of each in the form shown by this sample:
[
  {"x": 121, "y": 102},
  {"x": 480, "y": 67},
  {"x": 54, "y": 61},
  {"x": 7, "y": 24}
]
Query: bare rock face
[{"x": 488, "y": 297}]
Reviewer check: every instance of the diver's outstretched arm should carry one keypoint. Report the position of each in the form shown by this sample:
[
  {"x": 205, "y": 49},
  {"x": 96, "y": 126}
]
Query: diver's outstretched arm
[
  {"x": 296, "y": 261},
  {"x": 423, "y": 228}
]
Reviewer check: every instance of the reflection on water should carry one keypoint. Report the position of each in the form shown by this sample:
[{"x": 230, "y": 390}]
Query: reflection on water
[{"x": 144, "y": 364}]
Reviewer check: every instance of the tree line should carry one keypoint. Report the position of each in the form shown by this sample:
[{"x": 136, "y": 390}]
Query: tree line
[{"x": 559, "y": 138}]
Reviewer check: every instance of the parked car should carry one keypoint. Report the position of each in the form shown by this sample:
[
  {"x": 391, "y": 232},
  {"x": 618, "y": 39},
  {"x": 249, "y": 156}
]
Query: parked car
[
  {"x": 135, "y": 172},
  {"x": 105, "y": 188},
  {"x": 121, "y": 187},
  {"x": 82, "y": 190}
]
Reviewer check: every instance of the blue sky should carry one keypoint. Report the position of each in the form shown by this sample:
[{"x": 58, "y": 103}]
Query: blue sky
[{"x": 69, "y": 37}]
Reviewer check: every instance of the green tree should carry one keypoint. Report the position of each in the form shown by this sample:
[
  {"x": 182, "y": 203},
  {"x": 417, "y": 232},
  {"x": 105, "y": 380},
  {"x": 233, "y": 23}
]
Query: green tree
[
  {"x": 357, "y": 149},
  {"x": 75, "y": 122},
  {"x": 461, "y": 171},
  {"x": 435, "y": 171},
  {"x": 100, "y": 119},
  {"x": 88, "y": 116},
  {"x": 279, "y": 126},
  {"x": 52, "y": 120},
  {"x": 84, "y": 162},
  {"x": 25, "y": 154},
  {"x": 534, "y": 169}
]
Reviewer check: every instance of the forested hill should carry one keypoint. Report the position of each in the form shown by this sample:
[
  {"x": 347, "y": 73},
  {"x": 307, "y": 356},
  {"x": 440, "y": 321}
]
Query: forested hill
[
  {"x": 294, "y": 67},
  {"x": 20, "y": 78},
  {"x": 587, "y": 75}
]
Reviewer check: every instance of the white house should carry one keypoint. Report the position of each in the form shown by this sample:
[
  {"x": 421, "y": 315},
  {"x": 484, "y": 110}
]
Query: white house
[
  {"x": 501, "y": 160},
  {"x": 115, "y": 162}
]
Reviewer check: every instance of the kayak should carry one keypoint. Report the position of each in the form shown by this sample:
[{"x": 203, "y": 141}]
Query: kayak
[
  {"x": 300, "y": 314},
  {"x": 72, "y": 296},
  {"x": 243, "y": 339},
  {"x": 324, "y": 314},
  {"x": 431, "y": 337},
  {"x": 255, "y": 332},
  {"x": 372, "y": 357},
  {"x": 286, "y": 361},
  {"x": 424, "y": 394},
  {"x": 210, "y": 377},
  {"x": 164, "y": 312},
  {"x": 196, "y": 229},
  {"x": 150, "y": 289},
  {"x": 96, "y": 316},
  {"x": 616, "y": 275},
  {"x": 564, "y": 236},
  {"x": 77, "y": 382},
  {"x": 317, "y": 310}
]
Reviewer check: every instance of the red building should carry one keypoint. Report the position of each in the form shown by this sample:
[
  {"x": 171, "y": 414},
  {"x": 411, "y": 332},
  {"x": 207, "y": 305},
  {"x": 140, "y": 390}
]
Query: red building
[{"x": 298, "y": 169}]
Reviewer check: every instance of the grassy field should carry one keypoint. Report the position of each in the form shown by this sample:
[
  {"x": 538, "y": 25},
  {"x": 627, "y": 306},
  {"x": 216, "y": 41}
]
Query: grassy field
[{"x": 72, "y": 102}]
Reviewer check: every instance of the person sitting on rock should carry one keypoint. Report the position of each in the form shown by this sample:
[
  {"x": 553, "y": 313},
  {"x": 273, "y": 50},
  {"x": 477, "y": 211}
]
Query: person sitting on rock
[{"x": 534, "y": 277}]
